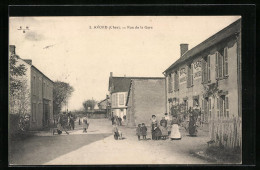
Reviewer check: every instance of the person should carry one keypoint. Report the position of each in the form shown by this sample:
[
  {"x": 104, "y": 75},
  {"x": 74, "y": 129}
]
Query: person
[
  {"x": 115, "y": 131},
  {"x": 163, "y": 122},
  {"x": 85, "y": 124},
  {"x": 120, "y": 121},
  {"x": 138, "y": 131},
  {"x": 112, "y": 119},
  {"x": 72, "y": 125},
  {"x": 124, "y": 117},
  {"x": 175, "y": 133},
  {"x": 144, "y": 131},
  {"x": 153, "y": 124},
  {"x": 192, "y": 125},
  {"x": 157, "y": 132},
  {"x": 61, "y": 124}
]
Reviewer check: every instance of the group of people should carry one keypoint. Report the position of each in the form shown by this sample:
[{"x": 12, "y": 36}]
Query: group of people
[
  {"x": 116, "y": 120},
  {"x": 65, "y": 122},
  {"x": 166, "y": 127}
]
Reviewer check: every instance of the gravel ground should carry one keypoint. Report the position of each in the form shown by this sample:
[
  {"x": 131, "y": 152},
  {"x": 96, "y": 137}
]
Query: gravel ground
[{"x": 97, "y": 147}]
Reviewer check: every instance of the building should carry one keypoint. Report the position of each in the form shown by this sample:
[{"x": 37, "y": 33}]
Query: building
[
  {"x": 40, "y": 94},
  {"x": 102, "y": 105},
  {"x": 146, "y": 97},
  {"x": 210, "y": 75}
]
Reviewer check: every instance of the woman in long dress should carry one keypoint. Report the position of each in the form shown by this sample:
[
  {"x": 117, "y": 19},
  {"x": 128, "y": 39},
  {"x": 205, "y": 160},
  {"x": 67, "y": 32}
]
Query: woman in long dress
[
  {"x": 153, "y": 125},
  {"x": 175, "y": 132}
]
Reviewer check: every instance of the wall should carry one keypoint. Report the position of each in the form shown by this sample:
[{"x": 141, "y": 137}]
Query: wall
[
  {"x": 147, "y": 98},
  {"x": 119, "y": 106},
  {"x": 41, "y": 89}
]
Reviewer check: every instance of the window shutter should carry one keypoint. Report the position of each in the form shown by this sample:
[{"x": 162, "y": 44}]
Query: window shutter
[
  {"x": 170, "y": 83},
  {"x": 221, "y": 106},
  {"x": 208, "y": 67},
  {"x": 216, "y": 65},
  {"x": 177, "y": 80},
  {"x": 191, "y": 80},
  {"x": 209, "y": 108},
  {"x": 225, "y": 62},
  {"x": 220, "y": 65},
  {"x": 203, "y": 70},
  {"x": 227, "y": 106},
  {"x": 188, "y": 76},
  {"x": 218, "y": 107},
  {"x": 202, "y": 107}
]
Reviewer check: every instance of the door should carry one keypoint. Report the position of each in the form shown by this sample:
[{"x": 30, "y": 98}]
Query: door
[{"x": 46, "y": 114}]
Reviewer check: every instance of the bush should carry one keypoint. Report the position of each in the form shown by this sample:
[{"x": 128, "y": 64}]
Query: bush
[{"x": 18, "y": 125}]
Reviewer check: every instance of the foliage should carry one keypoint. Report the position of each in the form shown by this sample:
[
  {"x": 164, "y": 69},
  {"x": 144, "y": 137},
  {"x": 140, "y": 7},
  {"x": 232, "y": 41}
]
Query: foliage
[
  {"x": 15, "y": 72},
  {"x": 61, "y": 93},
  {"x": 89, "y": 103}
]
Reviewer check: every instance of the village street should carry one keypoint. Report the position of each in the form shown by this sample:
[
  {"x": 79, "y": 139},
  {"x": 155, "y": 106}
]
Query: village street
[{"x": 99, "y": 147}]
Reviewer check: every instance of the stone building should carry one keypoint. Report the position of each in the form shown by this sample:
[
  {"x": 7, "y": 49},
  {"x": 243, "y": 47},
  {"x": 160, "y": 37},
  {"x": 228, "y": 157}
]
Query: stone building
[
  {"x": 40, "y": 94},
  {"x": 146, "y": 97},
  {"x": 209, "y": 75}
]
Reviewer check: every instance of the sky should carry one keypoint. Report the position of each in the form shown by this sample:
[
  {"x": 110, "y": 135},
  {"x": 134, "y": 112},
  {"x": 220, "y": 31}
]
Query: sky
[{"x": 79, "y": 51}]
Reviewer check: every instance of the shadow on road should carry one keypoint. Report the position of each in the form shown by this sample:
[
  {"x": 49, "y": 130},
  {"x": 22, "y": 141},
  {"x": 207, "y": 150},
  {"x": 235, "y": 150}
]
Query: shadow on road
[{"x": 38, "y": 150}]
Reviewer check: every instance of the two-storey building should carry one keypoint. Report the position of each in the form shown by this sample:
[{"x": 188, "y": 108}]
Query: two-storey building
[
  {"x": 40, "y": 94},
  {"x": 209, "y": 75}
]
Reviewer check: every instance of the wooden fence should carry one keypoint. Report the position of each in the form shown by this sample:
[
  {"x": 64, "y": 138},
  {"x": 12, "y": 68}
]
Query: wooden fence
[{"x": 226, "y": 132}]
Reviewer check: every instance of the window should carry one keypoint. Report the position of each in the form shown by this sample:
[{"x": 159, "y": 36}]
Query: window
[
  {"x": 170, "y": 83},
  {"x": 221, "y": 63},
  {"x": 225, "y": 62},
  {"x": 116, "y": 96},
  {"x": 113, "y": 99},
  {"x": 121, "y": 99},
  {"x": 223, "y": 107},
  {"x": 209, "y": 107},
  {"x": 190, "y": 76},
  {"x": 176, "y": 81}
]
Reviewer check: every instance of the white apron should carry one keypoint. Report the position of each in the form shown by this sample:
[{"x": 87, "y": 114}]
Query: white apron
[{"x": 175, "y": 133}]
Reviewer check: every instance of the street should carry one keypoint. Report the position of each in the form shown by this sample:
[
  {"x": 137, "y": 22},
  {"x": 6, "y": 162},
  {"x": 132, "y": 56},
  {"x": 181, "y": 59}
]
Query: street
[{"x": 98, "y": 146}]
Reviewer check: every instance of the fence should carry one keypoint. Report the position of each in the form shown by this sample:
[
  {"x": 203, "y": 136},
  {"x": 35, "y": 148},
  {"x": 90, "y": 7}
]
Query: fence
[{"x": 226, "y": 132}]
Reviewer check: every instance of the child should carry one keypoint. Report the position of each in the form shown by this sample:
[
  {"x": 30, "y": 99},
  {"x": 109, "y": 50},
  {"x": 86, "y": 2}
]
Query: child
[
  {"x": 144, "y": 131},
  {"x": 85, "y": 124},
  {"x": 138, "y": 131},
  {"x": 115, "y": 131},
  {"x": 157, "y": 132}
]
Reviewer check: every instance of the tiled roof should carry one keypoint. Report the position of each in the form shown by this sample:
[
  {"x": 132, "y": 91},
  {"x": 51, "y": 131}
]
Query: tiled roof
[{"x": 216, "y": 38}]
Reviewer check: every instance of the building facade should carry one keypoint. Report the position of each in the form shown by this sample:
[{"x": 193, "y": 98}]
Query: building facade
[
  {"x": 146, "y": 97},
  {"x": 40, "y": 94},
  {"x": 209, "y": 75}
]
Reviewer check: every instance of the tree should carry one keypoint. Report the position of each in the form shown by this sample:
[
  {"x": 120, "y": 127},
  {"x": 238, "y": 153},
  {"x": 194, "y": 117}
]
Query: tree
[
  {"x": 18, "y": 87},
  {"x": 89, "y": 104},
  {"x": 61, "y": 93}
]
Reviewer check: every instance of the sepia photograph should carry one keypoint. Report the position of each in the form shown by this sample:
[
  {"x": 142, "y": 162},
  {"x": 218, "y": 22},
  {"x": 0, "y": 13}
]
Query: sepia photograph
[{"x": 125, "y": 90}]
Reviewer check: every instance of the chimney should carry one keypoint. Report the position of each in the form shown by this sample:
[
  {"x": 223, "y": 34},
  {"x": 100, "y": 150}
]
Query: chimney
[
  {"x": 184, "y": 48},
  {"x": 12, "y": 49},
  {"x": 111, "y": 74},
  {"x": 28, "y": 61}
]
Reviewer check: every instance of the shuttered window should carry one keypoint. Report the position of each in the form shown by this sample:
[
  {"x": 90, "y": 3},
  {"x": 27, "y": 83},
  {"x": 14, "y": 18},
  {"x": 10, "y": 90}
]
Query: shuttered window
[
  {"x": 208, "y": 68},
  {"x": 220, "y": 65},
  {"x": 225, "y": 62}
]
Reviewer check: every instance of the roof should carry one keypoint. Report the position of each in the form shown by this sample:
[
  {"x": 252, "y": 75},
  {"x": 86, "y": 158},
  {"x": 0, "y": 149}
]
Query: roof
[
  {"x": 129, "y": 89},
  {"x": 228, "y": 31},
  {"x": 122, "y": 84},
  {"x": 102, "y": 101},
  {"x": 32, "y": 66}
]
